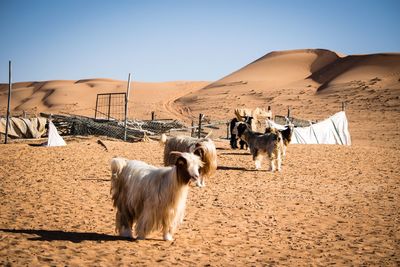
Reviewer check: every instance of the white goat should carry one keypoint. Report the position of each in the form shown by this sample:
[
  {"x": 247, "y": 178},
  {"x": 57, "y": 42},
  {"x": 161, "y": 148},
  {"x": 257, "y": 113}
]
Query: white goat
[
  {"x": 204, "y": 148},
  {"x": 151, "y": 197}
]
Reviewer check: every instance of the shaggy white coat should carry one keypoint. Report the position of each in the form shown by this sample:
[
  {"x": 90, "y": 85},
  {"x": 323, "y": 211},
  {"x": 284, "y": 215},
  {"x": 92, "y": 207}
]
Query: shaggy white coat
[{"x": 153, "y": 198}]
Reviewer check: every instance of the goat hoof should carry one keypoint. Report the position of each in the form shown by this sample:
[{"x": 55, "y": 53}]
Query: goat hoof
[
  {"x": 168, "y": 237},
  {"x": 140, "y": 238},
  {"x": 200, "y": 184},
  {"x": 126, "y": 233}
]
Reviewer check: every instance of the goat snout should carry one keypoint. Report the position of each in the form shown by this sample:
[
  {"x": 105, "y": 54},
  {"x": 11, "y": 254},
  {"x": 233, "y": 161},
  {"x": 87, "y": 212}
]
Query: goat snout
[{"x": 195, "y": 177}]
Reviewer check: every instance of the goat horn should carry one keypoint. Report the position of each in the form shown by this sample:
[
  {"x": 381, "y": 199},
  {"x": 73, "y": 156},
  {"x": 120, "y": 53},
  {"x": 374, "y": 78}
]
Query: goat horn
[
  {"x": 208, "y": 135},
  {"x": 238, "y": 116}
]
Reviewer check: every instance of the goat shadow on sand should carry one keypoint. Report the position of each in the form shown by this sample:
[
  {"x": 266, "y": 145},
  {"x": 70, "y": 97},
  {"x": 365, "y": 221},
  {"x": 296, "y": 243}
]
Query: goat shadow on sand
[
  {"x": 96, "y": 179},
  {"x": 236, "y": 153},
  {"x": 230, "y": 168},
  {"x": 57, "y": 235}
]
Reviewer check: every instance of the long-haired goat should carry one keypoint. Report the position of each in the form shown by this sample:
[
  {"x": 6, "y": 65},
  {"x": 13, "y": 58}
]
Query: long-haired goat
[
  {"x": 204, "y": 148},
  {"x": 269, "y": 144},
  {"x": 287, "y": 134},
  {"x": 151, "y": 197},
  {"x": 234, "y": 135}
]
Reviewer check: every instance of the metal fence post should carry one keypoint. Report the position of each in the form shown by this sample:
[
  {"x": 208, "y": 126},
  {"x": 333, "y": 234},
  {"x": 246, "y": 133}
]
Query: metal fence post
[
  {"x": 126, "y": 105},
  {"x": 9, "y": 100}
]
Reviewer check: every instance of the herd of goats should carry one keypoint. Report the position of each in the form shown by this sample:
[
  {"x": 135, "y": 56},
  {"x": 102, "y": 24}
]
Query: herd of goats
[{"x": 155, "y": 197}]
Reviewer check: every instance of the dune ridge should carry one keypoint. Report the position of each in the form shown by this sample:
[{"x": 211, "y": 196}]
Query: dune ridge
[
  {"x": 358, "y": 67},
  {"x": 281, "y": 67},
  {"x": 296, "y": 73},
  {"x": 79, "y": 96}
]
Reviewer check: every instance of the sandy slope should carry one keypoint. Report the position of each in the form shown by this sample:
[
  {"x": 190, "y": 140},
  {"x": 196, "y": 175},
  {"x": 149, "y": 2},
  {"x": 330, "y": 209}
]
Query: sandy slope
[
  {"x": 280, "y": 68},
  {"x": 295, "y": 78},
  {"x": 79, "y": 97},
  {"x": 329, "y": 205}
]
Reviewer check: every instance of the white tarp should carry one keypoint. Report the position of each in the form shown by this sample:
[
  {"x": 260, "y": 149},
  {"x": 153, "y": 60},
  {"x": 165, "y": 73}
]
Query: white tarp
[
  {"x": 332, "y": 131},
  {"x": 54, "y": 138}
]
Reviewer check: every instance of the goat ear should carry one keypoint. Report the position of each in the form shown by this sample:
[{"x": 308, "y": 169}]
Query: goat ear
[
  {"x": 181, "y": 161},
  {"x": 199, "y": 151},
  {"x": 176, "y": 153}
]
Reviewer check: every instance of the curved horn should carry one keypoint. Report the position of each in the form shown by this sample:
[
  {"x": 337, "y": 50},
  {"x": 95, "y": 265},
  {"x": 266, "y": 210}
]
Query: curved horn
[
  {"x": 208, "y": 135},
  {"x": 238, "y": 116}
]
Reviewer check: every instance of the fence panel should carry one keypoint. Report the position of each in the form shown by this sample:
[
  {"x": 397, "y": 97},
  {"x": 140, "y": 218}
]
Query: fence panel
[{"x": 110, "y": 106}]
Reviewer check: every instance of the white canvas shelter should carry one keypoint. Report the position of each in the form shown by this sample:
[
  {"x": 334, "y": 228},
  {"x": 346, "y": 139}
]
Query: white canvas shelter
[
  {"x": 54, "y": 138},
  {"x": 24, "y": 128},
  {"x": 333, "y": 131}
]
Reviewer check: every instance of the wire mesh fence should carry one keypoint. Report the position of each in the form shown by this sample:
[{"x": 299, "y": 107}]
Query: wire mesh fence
[{"x": 136, "y": 129}]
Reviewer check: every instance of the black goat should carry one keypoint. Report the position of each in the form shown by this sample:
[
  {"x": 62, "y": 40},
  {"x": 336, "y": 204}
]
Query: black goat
[{"x": 233, "y": 127}]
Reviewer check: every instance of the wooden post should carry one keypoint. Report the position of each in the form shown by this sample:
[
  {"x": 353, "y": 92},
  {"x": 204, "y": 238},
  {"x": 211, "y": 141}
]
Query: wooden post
[
  {"x": 270, "y": 112},
  {"x": 227, "y": 131},
  {"x": 343, "y": 106},
  {"x": 192, "y": 134},
  {"x": 288, "y": 113},
  {"x": 8, "y": 101},
  {"x": 126, "y": 105},
  {"x": 200, "y": 119},
  {"x": 153, "y": 116}
]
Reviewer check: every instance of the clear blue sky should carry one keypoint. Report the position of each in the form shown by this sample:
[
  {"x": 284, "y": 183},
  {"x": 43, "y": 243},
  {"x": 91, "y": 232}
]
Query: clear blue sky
[{"x": 180, "y": 40}]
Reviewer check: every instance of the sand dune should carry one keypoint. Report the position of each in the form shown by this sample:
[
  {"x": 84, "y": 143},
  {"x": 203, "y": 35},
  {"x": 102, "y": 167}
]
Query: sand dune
[
  {"x": 361, "y": 68},
  {"x": 295, "y": 78},
  {"x": 79, "y": 97},
  {"x": 302, "y": 79},
  {"x": 280, "y": 68}
]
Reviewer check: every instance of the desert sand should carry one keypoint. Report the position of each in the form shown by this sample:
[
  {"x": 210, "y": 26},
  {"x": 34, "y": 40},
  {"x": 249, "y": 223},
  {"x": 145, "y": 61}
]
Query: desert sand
[{"x": 330, "y": 205}]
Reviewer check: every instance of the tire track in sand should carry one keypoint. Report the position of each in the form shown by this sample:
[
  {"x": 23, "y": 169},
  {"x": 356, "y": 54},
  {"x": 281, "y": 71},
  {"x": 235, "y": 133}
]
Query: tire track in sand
[{"x": 182, "y": 113}]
